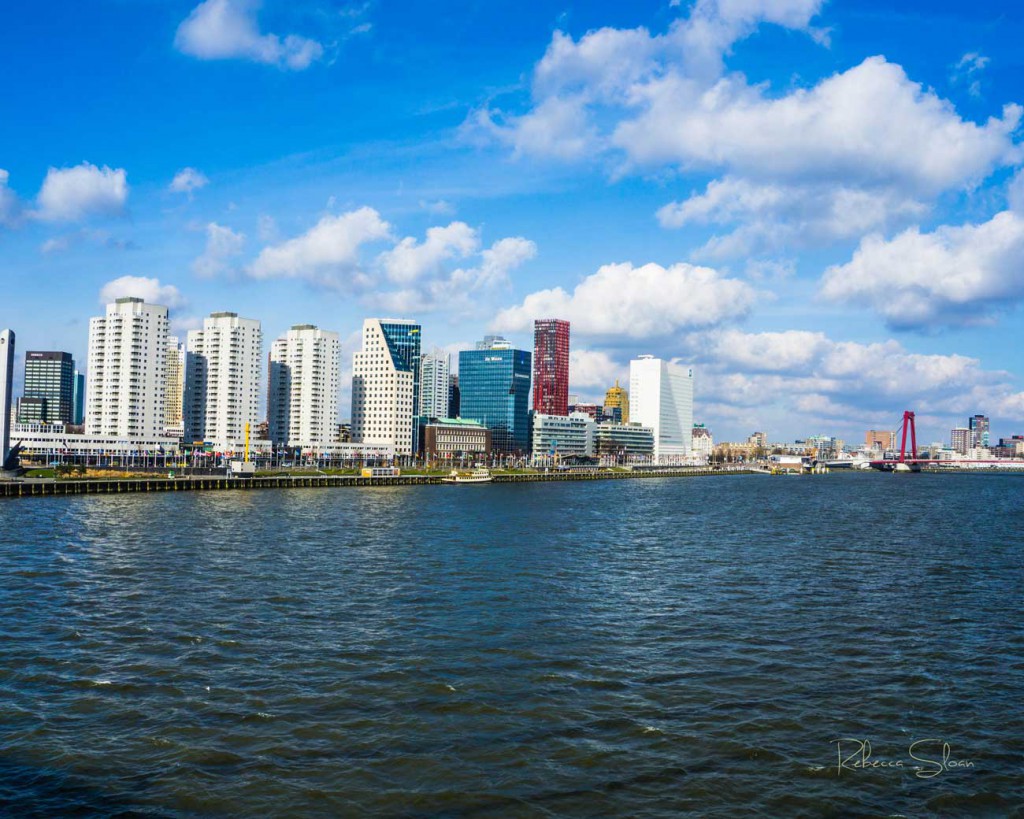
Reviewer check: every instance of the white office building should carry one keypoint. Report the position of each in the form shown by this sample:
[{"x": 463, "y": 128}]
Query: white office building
[
  {"x": 661, "y": 397},
  {"x": 6, "y": 389},
  {"x": 302, "y": 400},
  {"x": 556, "y": 437},
  {"x": 125, "y": 395},
  {"x": 174, "y": 392},
  {"x": 384, "y": 384},
  {"x": 435, "y": 377},
  {"x": 222, "y": 381}
]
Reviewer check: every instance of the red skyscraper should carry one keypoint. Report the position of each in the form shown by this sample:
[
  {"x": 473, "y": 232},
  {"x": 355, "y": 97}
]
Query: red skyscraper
[{"x": 551, "y": 366}]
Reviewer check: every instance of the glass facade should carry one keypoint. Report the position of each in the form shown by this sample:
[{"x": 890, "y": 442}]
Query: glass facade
[
  {"x": 404, "y": 340},
  {"x": 494, "y": 389},
  {"x": 551, "y": 366},
  {"x": 50, "y": 380}
]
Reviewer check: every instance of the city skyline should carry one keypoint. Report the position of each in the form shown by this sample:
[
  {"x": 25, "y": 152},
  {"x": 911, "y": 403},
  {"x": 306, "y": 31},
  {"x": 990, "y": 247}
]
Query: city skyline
[{"x": 817, "y": 287}]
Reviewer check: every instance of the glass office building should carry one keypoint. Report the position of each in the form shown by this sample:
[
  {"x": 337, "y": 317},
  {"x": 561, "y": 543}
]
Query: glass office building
[
  {"x": 49, "y": 389},
  {"x": 494, "y": 389},
  {"x": 404, "y": 339}
]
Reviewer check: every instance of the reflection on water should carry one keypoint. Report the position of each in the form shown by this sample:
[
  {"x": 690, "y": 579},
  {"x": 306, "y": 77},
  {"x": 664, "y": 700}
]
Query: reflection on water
[{"x": 642, "y": 647}]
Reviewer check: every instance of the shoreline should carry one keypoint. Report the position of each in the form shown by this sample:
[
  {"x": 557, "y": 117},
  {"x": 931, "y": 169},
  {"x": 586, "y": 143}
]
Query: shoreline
[{"x": 220, "y": 484}]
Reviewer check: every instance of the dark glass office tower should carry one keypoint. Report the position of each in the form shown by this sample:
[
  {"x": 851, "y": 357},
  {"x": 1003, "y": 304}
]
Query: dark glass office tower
[
  {"x": 404, "y": 339},
  {"x": 494, "y": 389},
  {"x": 49, "y": 388}
]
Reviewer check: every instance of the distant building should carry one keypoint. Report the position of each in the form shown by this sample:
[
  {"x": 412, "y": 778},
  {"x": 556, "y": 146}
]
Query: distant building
[
  {"x": 224, "y": 369},
  {"x": 6, "y": 389},
  {"x": 435, "y": 384},
  {"x": 493, "y": 343},
  {"x": 49, "y": 395},
  {"x": 125, "y": 394},
  {"x": 455, "y": 439},
  {"x": 961, "y": 439},
  {"x": 758, "y": 439},
  {"x": 494, "y": 388},
  {"x": 595, "y": 411},
  {"x": 454, "y": 397},
  {"x": 551, "y": 366},
  {"x": 302, "y": 398},
  {"x": 562, "y": 436},
  {"x": 78, "y": 416},
  {"x": 624, "y": 443},
  {"x": 878, "y": 439},
  {"x": 978, "y": 425},
  {"x": 385, "y": 385},
  {"x": 661, "y": 397},
  {"x": 174, "y": 395},
  {"x": 616, "y": 404},
  {"x": 703, "y": 443}
]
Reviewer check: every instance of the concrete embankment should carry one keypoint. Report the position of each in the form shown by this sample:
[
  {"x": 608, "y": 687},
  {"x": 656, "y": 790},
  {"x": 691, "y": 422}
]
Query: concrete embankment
[{"x": 27, "y": 488}]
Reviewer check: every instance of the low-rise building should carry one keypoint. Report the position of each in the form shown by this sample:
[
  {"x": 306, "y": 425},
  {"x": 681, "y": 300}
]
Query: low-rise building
[
  {"x": 624, "y": 443},
  {"x": 562, "y": 436},
  {"x": 446, "y": 439}
]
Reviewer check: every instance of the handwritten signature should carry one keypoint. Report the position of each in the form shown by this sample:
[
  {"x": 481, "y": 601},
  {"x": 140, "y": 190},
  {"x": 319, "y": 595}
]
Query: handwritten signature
[{"x": 928, "y": 758}]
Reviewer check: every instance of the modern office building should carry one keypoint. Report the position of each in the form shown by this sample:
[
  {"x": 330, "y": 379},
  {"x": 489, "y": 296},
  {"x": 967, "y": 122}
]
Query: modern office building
[
  {"x": 49, "y": 395},
  {"x": 879, "y": 439},
  {"x": 385, "y": 385},
  {"x": 961, "y": 439},
  {"x": 494, "y": 389},
  {"x": 624, "y": 443},
  {"x": 454, "y": 396},
  {"x": 595, "y": 411},
  {"x": 6, "y": 388},
  {"x": 661, "y": 397},
  {"x": 435, "y": 384},
  {"x": 551, "y": 366},
  {"x": 455, "y": 439},
  {"x": 174, "y": 393},
  {"x": 222, "y": 381},
  {"x": 302, "y": 400},
  {"x": 978, "y": 425},
  {"x": 616, "y": 404},
  {"x": 562, "y": 436},
  {"x": 78, "y": 416},
  {"x": 125, "y": 393}
]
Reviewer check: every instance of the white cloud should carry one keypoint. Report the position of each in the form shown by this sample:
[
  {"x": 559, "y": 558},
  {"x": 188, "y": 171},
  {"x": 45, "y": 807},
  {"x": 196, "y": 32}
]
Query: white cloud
[
  {"x": 71, "y": 194},
  {"x": 222, "y": 245},
  {"x": 955, "y": 275},
  {"x": 594, "y": 370},
  {"x": 410, "y": 260},
  {"x": 188, "y": 180},
  {"x": 327, "y": 254},
  {"x": 227, "y": 29},
  {"x": 624, "y": 301},
  {"x": 143, "y": 288},
  {"x": 438, "y": 207},
  {"x": 967, "y": 70},
  {"x": 10, "y": 208}
]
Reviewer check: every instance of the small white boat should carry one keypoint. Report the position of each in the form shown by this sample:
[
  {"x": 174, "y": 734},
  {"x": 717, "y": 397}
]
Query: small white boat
[{"x": 476, "y": 476}]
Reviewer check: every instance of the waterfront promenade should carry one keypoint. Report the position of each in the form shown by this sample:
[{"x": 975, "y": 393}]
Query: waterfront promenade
[{"x": 39, "y": 488}]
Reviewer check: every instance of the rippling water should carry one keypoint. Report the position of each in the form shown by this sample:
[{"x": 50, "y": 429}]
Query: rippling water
[{"x": 641, "y": 648}]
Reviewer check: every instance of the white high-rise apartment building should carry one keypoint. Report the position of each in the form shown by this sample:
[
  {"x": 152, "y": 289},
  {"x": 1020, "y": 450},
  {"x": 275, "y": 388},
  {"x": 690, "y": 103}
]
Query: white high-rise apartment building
[
  {"x": 435, "y": 372},
  {"x": 174, "y": 394},
  {"x": 302, "y": 400},
  {"x": 224, "y": 368},
  {"x": 661, "y": 397},
  {"x": 125, "y": 394},
  {"x": 383, "y": 384}
]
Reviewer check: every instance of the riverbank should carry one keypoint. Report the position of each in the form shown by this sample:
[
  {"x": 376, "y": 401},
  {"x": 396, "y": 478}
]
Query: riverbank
[{"x": 208, "y": 484}]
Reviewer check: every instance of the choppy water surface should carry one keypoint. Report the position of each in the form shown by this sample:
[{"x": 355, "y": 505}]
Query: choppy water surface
[{"x": 643, "y": 648}]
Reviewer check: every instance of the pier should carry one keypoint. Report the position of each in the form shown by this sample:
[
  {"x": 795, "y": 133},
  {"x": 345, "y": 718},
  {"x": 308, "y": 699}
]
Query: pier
[{"x": 40, "y": 488}]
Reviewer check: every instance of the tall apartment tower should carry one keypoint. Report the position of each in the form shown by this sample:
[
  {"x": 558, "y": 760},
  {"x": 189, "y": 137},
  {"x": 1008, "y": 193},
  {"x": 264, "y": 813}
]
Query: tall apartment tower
[
  {"x": 661, "y": 397},
  {"x": 978, "y": 425},
  {"x": 302, "y": 399},
  {"x": 385, "y": 384},
  {"x": 551, "y": 366},
  {"x": 435, "y": 383},
  {"x": 124, "y": 397},
  {"x": 961, "y": 439},
  {"x": 49, "y": 396},
  {"x": 223, "y": 374},
  {"x": 174, "y": 395},
  {"x": 6, "y": 388}
]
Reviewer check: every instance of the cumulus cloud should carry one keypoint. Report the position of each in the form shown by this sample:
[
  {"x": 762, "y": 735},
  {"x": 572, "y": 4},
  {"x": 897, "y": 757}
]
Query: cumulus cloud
[
  {"x": 409, "y": 259},
  {"x": 228, "y": 29},
  {"x": 151, "y": 290},
  {"x": 222, "y": 245},
  {"x": 624, "y": 301},
  {"x": 327, "y": 254},
  {"x": 955, "y": 275},
  {"x": 188, "y": 180},
  {"x": 594, "y": 371},
  {"x": 71, "y": 194}
]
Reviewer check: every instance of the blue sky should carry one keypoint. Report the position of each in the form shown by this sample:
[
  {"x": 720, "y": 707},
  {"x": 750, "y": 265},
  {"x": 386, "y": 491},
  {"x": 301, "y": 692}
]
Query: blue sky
[{"x": 816, "y": 203}]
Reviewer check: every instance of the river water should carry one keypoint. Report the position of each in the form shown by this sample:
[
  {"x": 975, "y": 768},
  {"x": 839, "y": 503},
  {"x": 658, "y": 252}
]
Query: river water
[{"x": 636, "y": 648}]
